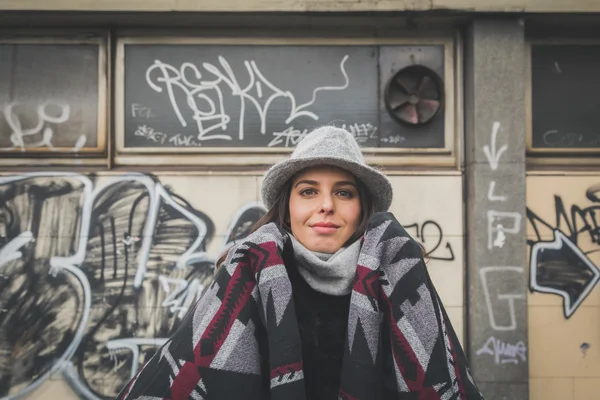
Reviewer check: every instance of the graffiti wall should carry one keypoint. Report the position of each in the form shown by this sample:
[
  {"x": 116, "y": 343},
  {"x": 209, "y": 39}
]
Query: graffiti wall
[
  {"x": 97, "y": 271},
  {"x": 564, "y": 303}
]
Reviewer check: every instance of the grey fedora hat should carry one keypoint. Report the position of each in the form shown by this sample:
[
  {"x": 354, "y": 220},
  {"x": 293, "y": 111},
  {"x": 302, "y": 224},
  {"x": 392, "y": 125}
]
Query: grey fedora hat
[{"x": 328, "y": 145}]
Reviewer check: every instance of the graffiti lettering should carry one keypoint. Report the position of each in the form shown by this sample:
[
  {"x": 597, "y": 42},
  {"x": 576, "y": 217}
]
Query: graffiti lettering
[
  {"x": 150, "y": 134},
  {"x": 138, "y": 110},
  {"x": 393, "y": 139},
  {"x": 97, "y": 276},
  {"x": 502, "y": 278},
  {"x": 431, "y": 236},
  {"x": 503, "y": 352},
  {"x": 291, "y": 136},
  {"x": 204, "y": 96},
  {"x": 500, "y": 222},
  {"x": 491, "y": 195},
  {"x": 47, "y": 115},
  {"x": 554, "y": 138},
  {"x": 500, "y": 284}
]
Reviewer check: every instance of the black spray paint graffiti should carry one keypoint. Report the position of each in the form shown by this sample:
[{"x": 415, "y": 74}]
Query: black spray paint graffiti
[
  {"x": 95, "y": 275},
  {"x": 560, "y": 267},
  {"x": 431, "y": 236}
]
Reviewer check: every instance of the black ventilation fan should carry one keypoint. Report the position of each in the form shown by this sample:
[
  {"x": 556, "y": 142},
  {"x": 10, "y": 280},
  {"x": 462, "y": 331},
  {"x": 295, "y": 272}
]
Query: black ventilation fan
[{"x": 413, "y": 95}]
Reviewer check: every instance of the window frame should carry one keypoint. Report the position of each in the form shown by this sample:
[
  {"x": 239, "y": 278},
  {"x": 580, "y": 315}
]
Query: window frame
[
  {"x": 251, "y": 156},
  {"x": 555, "y": 156},
  {"x": 98, "y": 155}
]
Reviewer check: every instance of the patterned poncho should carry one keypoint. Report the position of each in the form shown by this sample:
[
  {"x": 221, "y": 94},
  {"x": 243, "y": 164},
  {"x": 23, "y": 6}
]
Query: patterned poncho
[{"x": 241, "y": 340}]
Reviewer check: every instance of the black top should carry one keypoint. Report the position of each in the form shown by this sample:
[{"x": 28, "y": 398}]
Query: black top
[{"x": 322, "y": 321}]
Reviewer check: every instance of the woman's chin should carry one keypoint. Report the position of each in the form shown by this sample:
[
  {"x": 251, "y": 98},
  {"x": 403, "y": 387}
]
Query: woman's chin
[{"x": 321, "y": 247}]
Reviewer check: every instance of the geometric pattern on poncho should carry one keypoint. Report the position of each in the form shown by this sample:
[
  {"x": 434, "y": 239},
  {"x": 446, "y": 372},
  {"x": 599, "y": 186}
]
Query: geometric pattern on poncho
[{"x": 241, "y": 340}]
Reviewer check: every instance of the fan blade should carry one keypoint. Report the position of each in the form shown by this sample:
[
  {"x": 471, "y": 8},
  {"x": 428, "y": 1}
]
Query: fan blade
[
  {"x": 408, "y": 81},
  {"x": 397, "y": 99},
  {"x": 428, "y": 89},
  {"x": 427, "y": 109},
  {"x": 408, "y": 113}
]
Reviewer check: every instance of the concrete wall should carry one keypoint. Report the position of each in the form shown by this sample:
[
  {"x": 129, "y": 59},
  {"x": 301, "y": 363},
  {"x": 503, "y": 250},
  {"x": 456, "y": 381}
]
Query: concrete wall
[
  {"x": 564, "y": 304},
  {"x": 307, "y": 5},
  {"x": 495, "y": 179},
  {"x": 84, "y": 286}
]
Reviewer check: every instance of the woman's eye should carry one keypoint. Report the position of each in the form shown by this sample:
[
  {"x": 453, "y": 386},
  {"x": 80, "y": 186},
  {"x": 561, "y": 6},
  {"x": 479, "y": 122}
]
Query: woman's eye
[
  {"x": 307, "y": 192},
  {"x": 345, "y": 193}
]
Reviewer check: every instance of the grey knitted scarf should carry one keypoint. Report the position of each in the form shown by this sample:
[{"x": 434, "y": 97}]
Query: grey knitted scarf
[{"x": 327, "y": 273}]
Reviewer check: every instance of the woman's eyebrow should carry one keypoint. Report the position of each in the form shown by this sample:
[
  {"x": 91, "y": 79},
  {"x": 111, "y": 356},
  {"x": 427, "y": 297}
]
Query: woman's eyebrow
[
  {"x": 315, "y": 183},
  {"x": 344, "y": 183},
  {"x": 306, "y": 181}
]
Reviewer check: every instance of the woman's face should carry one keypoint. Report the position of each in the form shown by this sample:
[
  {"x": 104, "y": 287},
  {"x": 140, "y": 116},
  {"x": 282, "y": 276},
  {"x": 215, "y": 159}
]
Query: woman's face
[{"x": 324, "y": 208}]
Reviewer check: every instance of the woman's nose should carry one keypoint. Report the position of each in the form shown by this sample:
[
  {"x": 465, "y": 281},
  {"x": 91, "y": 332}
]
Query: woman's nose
[{"x": 326, "y": 205}]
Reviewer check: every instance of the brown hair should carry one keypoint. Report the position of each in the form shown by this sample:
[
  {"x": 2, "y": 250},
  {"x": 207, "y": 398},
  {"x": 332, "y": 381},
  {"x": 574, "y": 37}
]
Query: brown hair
[{"x": 280, "y": 214}]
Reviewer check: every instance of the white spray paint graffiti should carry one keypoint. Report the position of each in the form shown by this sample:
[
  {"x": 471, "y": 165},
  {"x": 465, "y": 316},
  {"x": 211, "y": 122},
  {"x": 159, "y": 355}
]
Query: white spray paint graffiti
[
  {"x": 492, "y": 196},
  {"x": 490, "y": 152},
  {"x": 133, "y": 345},
  {"x": 510, "y": 298},
  {"x": 23, "y": 138},
  {"x": 10, "y": 251},
  {"x": 292, "y": 136},
  {"x": 212, "y": 114},
  {"x": 175, "y": 301},
  {"x": 504, "y": 353},
  {"x": 497, "y": 230},
  {"x": 500, "y": 299},
  {"x": 139, "y": 110}
]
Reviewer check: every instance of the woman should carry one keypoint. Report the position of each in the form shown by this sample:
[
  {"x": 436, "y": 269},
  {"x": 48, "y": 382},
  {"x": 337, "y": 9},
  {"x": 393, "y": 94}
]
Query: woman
[{"x": 327, "y": 298}]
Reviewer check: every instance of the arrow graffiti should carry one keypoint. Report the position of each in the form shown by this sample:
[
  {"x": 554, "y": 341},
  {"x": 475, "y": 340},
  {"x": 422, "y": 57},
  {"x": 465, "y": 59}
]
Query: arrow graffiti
[
  {"x": 491, "y": 154},
  {"x": 560, "y": 267}
]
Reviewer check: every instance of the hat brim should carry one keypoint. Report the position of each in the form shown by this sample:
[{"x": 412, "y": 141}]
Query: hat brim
[{"x": 378, "y": 184}]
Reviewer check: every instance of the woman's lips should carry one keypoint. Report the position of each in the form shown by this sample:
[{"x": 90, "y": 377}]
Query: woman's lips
[{"x": 325, "y": 228}]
